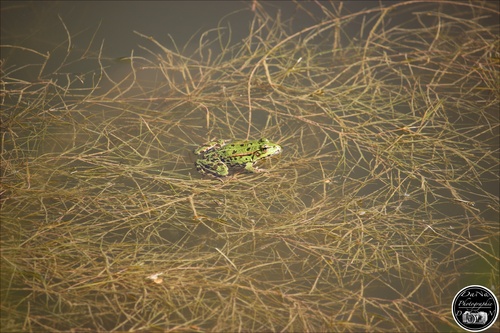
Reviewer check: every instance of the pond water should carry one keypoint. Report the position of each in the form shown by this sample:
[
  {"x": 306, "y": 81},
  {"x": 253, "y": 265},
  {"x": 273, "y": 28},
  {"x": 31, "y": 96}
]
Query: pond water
[{"x": 381, "y": 207}]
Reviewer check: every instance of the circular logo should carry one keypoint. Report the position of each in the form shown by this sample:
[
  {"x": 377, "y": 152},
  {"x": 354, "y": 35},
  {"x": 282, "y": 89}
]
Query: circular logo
[{"x": 475, "y": 308}]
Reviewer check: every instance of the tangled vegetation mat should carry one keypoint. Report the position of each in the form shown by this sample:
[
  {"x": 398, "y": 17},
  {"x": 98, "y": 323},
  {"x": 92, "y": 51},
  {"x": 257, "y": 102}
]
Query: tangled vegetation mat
[{"x": 382, "y": 204}]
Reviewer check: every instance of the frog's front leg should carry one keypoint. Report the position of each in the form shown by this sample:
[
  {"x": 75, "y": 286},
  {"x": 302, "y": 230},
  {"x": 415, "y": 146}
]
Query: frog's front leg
[{"x": 250, "y": 167}]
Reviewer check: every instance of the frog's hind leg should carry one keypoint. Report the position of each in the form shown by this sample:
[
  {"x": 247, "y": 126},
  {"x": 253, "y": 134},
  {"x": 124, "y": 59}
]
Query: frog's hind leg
[{"x": 221, "y": 169}]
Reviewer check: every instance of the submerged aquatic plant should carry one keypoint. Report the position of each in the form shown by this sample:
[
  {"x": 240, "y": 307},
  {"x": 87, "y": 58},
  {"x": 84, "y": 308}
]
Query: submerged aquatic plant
[{"x": 383, "y": 204}]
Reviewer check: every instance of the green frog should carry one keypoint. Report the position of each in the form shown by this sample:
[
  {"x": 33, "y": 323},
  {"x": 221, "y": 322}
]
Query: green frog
[{"x": 216, "y": 157}]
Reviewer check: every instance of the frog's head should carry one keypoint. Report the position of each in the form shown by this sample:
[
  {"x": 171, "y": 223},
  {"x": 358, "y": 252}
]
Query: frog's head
[{"x": 267, "y": 148}]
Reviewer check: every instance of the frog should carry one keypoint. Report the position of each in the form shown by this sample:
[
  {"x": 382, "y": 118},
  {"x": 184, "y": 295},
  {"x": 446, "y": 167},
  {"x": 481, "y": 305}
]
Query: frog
[{"x": 218, "y": 156}]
